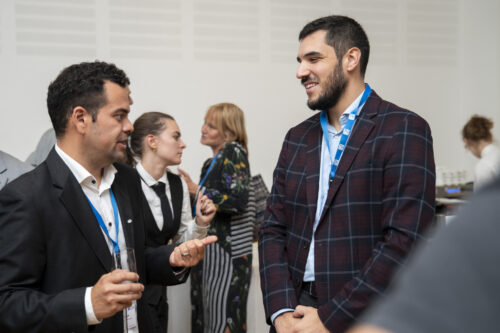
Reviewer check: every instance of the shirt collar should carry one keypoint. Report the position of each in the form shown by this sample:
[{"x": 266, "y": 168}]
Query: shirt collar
[
  {"x": 147, "y": 178},
  {"x": 345, "y": 114},
  {"x": 83, "y": 177}
]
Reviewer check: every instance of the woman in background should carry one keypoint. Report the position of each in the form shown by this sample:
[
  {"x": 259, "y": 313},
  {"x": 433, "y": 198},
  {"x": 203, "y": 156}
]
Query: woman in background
[
  {"x": 157, "y": 142},
  {"x": 220, "y": 282},
  {"x": 479, "y": 140}
]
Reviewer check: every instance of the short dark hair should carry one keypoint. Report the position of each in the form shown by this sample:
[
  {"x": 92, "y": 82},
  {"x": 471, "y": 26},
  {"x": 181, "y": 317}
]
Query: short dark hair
[
  {"x": 342, "y": 34},
  {"x": 80, "y": 85}
]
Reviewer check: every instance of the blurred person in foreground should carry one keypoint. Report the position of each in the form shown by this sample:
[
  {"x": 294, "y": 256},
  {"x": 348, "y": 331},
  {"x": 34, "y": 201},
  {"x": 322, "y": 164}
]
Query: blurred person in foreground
[{"x": 451, "y": 284}]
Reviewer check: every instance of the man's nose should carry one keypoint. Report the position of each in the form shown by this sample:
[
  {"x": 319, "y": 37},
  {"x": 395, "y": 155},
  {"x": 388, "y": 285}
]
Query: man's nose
[
  {"x": 302, "y": 71},
  {"x": 128, "y": 127}
]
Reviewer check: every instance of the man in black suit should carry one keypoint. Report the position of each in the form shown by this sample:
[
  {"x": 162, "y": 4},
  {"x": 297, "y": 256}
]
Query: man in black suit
[{"x": 61, "y": 223}]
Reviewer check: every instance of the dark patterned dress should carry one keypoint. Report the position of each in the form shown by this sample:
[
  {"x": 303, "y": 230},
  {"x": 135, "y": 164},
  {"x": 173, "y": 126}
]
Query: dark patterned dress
[{"x": 219, "y": 283}]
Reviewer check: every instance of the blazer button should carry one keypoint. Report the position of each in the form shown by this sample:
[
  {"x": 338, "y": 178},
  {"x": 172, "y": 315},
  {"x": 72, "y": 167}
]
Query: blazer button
[
  {"x": 306, "y": 245},
  {"x": 296, "y": 282}
]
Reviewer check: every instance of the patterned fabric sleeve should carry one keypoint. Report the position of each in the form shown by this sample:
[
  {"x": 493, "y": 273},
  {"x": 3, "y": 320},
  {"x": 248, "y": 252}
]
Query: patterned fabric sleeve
[{"x": 228, "y": 183}]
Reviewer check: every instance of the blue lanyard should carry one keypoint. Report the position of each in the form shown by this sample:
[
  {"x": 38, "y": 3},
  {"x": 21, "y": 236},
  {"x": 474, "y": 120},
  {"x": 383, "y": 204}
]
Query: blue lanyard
[
  {"x": 205, "y": 178},
  {"x": 116, "y": 248},
  {"x": 346, "y": 131},
  {"x": 209, "y": 169}
]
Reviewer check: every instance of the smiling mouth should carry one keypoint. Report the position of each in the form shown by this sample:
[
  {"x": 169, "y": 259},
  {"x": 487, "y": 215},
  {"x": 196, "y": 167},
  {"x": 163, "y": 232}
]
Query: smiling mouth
[{"x": 309, "y": 85}]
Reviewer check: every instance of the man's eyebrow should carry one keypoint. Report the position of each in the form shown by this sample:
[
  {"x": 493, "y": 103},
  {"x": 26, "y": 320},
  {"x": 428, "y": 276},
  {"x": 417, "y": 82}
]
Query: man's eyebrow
[
  {"x": 122, "y": 110},
  {"x": 309, "y": 54}
]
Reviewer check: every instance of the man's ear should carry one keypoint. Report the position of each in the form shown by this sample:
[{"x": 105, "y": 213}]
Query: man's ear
[
  {"x": 80, "y": 119},
  {"x": 351, "y": 60}
]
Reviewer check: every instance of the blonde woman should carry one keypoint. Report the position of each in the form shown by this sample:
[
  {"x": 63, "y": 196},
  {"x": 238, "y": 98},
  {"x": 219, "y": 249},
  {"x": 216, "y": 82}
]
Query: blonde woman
[{"x": 219, "y": 284}]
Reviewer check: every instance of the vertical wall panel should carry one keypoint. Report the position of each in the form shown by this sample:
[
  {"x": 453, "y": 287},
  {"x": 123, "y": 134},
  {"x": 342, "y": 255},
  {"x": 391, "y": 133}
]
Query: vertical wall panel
[
  {"x": 286, "y": 19},
  {"x": 226, "y": 30},
  {"x": 55, "y": 28},
  {"x": 145, "y": 29},
  {"x": 432, "y": 32},
  {"x": 380, "y": 19}
]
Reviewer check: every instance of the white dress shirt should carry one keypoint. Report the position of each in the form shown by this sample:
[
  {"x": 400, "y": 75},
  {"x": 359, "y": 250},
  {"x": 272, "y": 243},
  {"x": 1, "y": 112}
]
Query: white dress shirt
[
  {"x": 488, "y": 167},
  {"x": 100, "y": 198},
  {"x": 188, "y": 228}
]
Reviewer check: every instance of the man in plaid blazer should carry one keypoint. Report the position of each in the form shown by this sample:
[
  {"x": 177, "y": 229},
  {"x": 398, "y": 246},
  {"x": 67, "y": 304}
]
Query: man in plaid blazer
[{"x": 342, "y": 215}]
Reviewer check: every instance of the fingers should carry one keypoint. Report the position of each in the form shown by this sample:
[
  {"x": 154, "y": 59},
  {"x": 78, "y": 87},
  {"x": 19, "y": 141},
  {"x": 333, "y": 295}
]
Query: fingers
[
  {"x": 110, "y": 294},
  {"x": 301, "y": 311},
  {"x": 297, "y": 313},
  {"x": 129, "y": 288},
  {"x": 184, "y": 174},
  {"x": 120, "y": 275},
  {"x": 192, "y": 187},
  {"x": 209, "y": 240},
  {"x": 204, "y": 206},
  {"x": 191, "y": 252}
]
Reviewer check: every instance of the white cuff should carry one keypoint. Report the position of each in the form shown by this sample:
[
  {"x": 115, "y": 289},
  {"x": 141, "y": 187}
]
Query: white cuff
[
  {"x": 200, "y": 231},
  {"x": 89, "y": 309},
  {"x": 277, "y": 313}
]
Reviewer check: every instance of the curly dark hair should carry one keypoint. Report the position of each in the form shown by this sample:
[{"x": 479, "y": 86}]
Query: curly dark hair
[
  {"x": 81, "y": 85},
  {"x": 342, "y": 34},
  {"x": 478, "y": 128}
]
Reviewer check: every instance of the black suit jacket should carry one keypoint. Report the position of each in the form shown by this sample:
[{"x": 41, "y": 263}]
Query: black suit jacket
[{"x": 52, "y": 248}]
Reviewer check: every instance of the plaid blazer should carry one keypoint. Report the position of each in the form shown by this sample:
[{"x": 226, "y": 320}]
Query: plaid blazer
[{"x": 380, "y": 202}]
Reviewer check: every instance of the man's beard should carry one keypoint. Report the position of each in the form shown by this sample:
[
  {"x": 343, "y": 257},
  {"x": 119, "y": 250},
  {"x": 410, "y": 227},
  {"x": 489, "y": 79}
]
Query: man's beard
[{"x": 335, "y": 87}]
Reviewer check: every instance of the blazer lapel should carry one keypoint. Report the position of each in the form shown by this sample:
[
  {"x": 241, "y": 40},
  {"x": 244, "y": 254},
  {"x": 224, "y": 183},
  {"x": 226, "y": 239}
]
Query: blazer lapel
[
  {"x": 360, "y": 132},
  {"x": 126, "y": 214},
  {"x": 78, "y": 207},
  {"x": 313, "y": 161}
]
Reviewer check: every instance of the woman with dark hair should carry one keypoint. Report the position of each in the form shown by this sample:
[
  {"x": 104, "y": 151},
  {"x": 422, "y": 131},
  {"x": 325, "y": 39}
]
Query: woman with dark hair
[
  {"x": 219, "y": 283},
  {"x": 157, "y": 142},
  {"x": 479, "y": 140}
]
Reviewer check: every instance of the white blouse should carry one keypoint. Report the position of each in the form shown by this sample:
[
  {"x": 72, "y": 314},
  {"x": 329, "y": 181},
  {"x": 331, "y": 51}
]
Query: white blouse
[
  {"x": 188, "y": 228},
  {"x": 488, "y": 166}
]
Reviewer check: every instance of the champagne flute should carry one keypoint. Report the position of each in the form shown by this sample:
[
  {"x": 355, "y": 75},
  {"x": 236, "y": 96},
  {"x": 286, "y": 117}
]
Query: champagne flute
[{"x": 125, "y": 259}]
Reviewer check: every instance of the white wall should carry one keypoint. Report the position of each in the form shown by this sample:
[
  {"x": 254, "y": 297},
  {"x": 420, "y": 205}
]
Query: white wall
[{"x": 438, "y": 58}]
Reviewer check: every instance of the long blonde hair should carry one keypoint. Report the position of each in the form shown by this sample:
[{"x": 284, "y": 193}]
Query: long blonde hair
[{"x": 229, "y": 120}]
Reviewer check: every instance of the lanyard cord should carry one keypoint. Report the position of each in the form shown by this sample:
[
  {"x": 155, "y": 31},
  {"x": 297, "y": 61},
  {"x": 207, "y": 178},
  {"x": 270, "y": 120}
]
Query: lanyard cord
[
  {"x": 116, "y": 248},
  {"x": 346, "y": 131}
]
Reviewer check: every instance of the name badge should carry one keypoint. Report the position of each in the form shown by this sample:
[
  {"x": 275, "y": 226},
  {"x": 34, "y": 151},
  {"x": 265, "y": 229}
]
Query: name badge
[{"x": 132, "y": 316}]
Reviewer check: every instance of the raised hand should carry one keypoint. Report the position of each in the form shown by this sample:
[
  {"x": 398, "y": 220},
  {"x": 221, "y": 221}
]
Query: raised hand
[
  {"x": 205, "y": 210},
  {"x": 192, "y": 186},
  {"x": 191, "y": 252}
]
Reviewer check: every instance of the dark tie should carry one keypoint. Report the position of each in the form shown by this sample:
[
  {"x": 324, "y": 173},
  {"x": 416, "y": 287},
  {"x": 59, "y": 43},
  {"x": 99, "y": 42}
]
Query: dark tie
[{"x": 159, "y": 189}]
